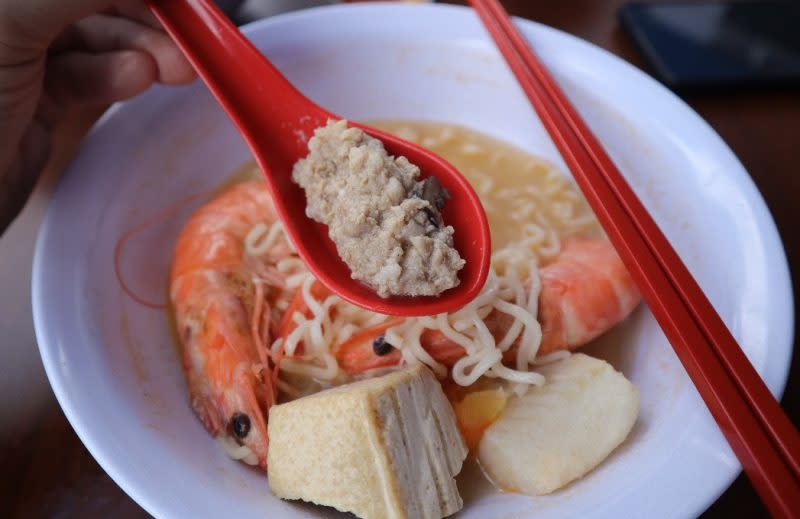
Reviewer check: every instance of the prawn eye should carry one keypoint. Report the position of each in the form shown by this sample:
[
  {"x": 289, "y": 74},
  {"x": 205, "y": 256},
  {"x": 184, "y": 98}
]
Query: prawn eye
[
  {"x": 381, "y": 347},
  {"x": 240, "y": 423}
]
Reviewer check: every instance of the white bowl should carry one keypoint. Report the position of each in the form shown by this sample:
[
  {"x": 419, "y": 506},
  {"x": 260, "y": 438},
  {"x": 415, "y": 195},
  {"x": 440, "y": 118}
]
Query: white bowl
[{"x": 113, "y": 364}]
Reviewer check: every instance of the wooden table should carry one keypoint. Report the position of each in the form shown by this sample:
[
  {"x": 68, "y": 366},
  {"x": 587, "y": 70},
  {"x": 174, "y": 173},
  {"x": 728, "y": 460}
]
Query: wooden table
[{"x": 46, "y": 472}]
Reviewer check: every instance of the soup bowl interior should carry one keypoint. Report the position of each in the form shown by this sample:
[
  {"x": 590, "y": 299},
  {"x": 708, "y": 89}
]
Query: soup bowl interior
[{"x": 113, "y": 361}]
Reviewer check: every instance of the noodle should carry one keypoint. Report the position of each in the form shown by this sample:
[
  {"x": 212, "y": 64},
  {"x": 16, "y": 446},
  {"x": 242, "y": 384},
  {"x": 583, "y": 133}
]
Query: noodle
[
  {"x": 480, "y": 365},
  {"x": 503, "y": 292}
]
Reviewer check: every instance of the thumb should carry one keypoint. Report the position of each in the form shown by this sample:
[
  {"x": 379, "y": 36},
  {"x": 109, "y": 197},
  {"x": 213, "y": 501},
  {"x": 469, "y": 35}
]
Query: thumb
[{"x": 99, "y": 78}]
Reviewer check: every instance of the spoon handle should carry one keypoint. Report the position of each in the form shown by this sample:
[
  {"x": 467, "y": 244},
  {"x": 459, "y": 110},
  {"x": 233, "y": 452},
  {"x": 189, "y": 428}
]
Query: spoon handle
[{"x": 264, "y": 105}]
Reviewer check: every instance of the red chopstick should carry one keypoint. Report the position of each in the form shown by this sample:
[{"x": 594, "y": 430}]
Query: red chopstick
[{"x": 761, "y": 435}]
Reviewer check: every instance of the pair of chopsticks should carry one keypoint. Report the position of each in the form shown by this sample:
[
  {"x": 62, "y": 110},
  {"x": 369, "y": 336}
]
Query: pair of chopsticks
[{"x": 758, "y": 431}]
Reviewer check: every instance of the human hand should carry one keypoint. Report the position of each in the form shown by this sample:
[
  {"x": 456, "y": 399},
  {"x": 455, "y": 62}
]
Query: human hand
[{"x": 58, "y": 54}]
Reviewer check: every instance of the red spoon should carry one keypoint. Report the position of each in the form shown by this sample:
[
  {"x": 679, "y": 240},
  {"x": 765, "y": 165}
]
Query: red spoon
[{"x": 276, "y": 121}]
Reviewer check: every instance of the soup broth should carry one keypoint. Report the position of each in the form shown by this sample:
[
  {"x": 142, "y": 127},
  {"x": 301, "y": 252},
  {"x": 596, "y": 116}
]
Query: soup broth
[{"x": 525, "y": 197}]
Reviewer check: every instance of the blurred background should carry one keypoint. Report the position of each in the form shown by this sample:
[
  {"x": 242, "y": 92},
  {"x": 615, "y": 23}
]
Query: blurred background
[{"x": 46, "y": 472}]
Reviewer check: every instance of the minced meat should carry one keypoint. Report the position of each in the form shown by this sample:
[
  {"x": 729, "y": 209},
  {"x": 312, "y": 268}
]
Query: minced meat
[{"x": 386, "y": 223}]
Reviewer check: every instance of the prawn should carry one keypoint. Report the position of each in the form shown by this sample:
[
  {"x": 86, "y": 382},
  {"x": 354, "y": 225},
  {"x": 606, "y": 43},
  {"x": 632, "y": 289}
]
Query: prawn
[
  {"x": 226, "y": 305},
  {"x": 585, "y": 291}
]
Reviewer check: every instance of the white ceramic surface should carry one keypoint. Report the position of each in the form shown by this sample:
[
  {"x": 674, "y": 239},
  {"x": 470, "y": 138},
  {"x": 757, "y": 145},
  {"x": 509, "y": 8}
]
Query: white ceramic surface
[{"x": 112, "y": 362}]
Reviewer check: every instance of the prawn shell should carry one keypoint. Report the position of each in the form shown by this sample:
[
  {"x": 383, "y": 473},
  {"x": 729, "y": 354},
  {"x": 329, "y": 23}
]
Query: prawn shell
[{"x": 212, "y": 295}]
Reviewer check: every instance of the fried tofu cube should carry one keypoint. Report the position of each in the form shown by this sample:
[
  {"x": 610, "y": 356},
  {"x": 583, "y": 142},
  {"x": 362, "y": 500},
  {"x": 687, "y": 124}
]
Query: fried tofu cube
[{"x": 386, "y": 447}]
